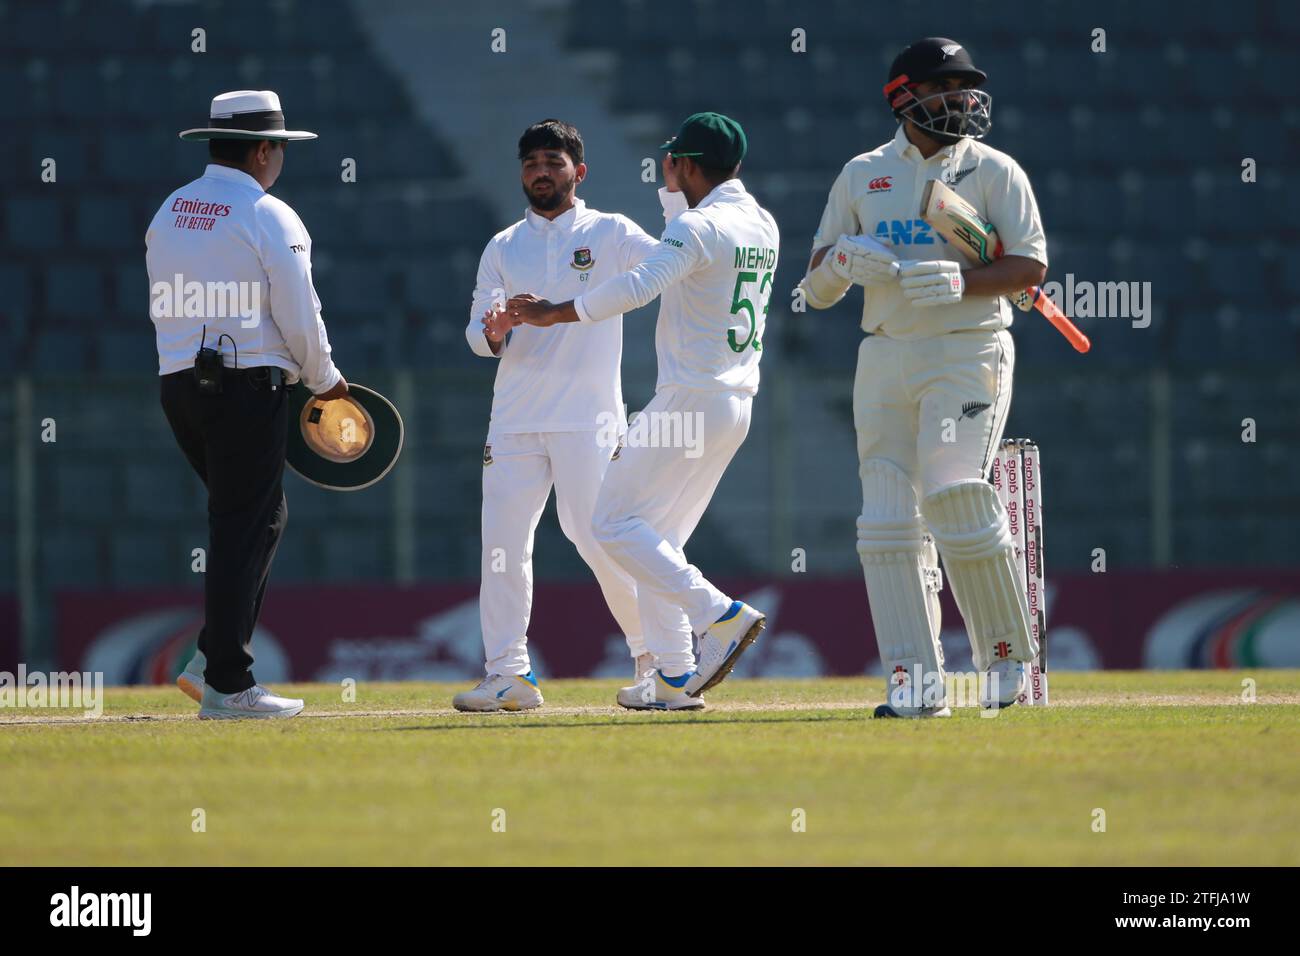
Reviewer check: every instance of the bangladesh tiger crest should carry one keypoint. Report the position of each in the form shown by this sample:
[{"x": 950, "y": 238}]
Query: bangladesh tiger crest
[{"x": 582, "y": 260}]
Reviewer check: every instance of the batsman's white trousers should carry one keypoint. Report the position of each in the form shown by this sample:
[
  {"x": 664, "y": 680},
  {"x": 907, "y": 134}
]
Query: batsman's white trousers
[
  {"x": 932, "y": 412},
  {"x": 934, "y": 407},
  {"x": 516, "y": 485},
  {"x": 652, "y": 500}
]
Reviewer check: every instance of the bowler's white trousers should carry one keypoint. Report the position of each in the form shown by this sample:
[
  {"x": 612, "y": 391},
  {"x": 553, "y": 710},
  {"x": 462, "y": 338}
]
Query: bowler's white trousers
[
  {"x": 652, "y": 500},
  {"x": 518, "y": 473}
]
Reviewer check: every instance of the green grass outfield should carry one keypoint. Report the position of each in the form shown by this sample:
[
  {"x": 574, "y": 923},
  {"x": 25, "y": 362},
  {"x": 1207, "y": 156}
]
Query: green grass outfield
[{"x": 1185, "y": 771}]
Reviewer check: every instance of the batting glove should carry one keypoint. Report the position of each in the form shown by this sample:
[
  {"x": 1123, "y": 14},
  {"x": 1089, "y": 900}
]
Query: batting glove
[
  {"x": 862, "y": 260},
  {"x": 931, "y": 282}
]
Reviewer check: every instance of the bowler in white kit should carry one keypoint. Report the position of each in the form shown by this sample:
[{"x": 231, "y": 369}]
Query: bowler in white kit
[
  {"x": 713, "y": 270},
  {"x": 933, "y": 381},
  {"x": 553, "y": 394}
]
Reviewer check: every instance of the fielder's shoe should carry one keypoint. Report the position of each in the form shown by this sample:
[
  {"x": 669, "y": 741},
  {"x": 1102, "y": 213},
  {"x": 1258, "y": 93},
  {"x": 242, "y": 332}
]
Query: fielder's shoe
[
  {"x": 722, "y": 644},
  {"x": 500, "y": 692},
  {"x": 191, "y": 679},
  {"x": 643, "y": 666},
  {"x": 654, "y": 691},
  {"x": 257, "y": 701},
  {"x": 888, "y": 710},
  {"x": 1003, "y": 682}
]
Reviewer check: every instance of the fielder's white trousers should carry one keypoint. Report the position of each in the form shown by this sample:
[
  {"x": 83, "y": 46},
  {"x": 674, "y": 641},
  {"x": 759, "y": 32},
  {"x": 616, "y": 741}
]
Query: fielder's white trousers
[
  {"x": 936, "y": 407},
  {"x": 651, "y": 502},
  {"x": 516, "y": 485}
]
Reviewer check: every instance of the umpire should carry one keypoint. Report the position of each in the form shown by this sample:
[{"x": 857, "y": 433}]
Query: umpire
[{"x": 237, "y": 321}]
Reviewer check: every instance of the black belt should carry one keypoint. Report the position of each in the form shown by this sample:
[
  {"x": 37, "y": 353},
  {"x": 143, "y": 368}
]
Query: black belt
[{"x": 258, "y": 376}]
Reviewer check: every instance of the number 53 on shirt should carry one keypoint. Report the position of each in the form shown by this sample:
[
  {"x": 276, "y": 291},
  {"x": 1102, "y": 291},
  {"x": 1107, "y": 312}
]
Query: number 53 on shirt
[{"x": 738, "y": 303}]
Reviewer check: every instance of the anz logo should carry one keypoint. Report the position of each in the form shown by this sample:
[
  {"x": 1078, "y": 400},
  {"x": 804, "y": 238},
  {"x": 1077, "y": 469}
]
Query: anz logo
[{"x": 905, "y": 232}]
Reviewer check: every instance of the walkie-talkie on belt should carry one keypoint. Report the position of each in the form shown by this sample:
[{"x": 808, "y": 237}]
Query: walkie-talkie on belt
[{"x": 208, "y": 366}]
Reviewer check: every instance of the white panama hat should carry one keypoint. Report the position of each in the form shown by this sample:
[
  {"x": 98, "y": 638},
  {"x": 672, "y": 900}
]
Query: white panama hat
[{"x": 246, "y": 114}]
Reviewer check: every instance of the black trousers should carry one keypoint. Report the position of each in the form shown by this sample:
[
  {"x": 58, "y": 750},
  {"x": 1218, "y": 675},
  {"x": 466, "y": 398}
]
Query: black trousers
[{"x": 235, "y": 441}]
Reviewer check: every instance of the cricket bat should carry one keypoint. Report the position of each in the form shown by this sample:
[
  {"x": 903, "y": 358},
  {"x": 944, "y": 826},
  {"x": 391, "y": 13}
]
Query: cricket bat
[{"x": 977, "y": 239}]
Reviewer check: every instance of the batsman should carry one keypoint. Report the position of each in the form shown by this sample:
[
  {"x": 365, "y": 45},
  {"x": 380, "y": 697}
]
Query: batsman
[{"x": 933, "y": 380}]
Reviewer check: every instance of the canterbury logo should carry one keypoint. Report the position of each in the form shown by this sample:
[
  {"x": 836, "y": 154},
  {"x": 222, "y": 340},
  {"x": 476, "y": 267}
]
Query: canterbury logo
[
  {"x": 882, "y": 182},
  {"x": 487, "y": 454},
  {"x": 971, "y": 409}
]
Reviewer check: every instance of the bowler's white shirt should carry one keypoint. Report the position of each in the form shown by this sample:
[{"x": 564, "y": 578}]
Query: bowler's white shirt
[
  {"x": 221, "y": 228},
  {"x": 713, "y": 269},
  {"x": 566, "y": 377},
  {"x": 878, "y": 194}
]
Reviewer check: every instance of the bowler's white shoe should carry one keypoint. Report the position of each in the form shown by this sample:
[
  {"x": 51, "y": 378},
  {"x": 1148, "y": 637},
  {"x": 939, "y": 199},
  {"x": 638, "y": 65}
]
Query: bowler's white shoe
[
  {"x": 643, "y": 666},
  {"x": 500, "y": 692},
  {"x": 191, "y": 679},
  {"x": 257, "y": 701},
  {"x": 654, "y": 691},
  {"x": 1004, "y": 681},
  {"x": 722, "y": 644}
]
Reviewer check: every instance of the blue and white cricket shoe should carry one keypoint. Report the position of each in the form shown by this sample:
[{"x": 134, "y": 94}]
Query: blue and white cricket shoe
[
  {"x": 257, "y": 701},
  {"x": 500, "y": 692},
  {"x": 722, "y": 644},
  {"x": 190, "y": 680},
  {"x": 654, "y": 691}
]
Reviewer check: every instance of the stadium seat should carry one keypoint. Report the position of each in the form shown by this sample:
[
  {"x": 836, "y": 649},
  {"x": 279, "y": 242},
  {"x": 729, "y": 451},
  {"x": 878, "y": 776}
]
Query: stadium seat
[
  {"x": 34, "y": 223},
  {"x": 69, "y": 558},
  {"x": 353, "y": 552},
  {"x": 74, "y": 290},
  {"x": 148, "y": 558}
]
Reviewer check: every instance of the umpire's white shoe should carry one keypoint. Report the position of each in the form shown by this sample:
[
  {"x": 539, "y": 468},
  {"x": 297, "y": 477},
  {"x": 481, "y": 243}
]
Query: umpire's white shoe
[
  {"x": 257, "y": 701},
  {"x": 500, "y": 692},
  {"x": 722, "y": 644},
  {"x": 654, "y": 691},
  {"x": 191, "y": 679},
  {"x": 1003, "y": 683}
]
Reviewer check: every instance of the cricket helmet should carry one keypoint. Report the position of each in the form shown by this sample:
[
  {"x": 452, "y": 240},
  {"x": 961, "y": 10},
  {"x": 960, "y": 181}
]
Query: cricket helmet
[{"x": 947, "y": 116}]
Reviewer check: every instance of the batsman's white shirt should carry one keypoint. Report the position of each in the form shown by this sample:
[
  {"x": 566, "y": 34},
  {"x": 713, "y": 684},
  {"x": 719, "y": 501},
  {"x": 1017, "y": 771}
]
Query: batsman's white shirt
[
  {"x": 225, "y": 228},
  {"x": 564, "y": 378},
  {"x": 878, "y": 194},
  {"x": 713, "y": 269}
]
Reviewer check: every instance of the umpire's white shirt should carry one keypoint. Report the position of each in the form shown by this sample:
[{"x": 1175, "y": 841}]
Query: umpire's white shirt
[
  {"x": 565, "y": 377},
  {"x": 878, "y": 194},
  {"x": 714, "y": 268},
  {"x": 225, "y": 228}
]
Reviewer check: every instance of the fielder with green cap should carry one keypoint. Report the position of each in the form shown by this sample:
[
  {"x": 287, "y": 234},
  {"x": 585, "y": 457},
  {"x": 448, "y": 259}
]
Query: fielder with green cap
[{"x": 713, "y": 273}]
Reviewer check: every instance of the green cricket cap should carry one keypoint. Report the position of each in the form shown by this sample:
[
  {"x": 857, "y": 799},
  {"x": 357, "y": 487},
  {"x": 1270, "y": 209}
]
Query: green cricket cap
[{"x": 711, "y": 139}]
